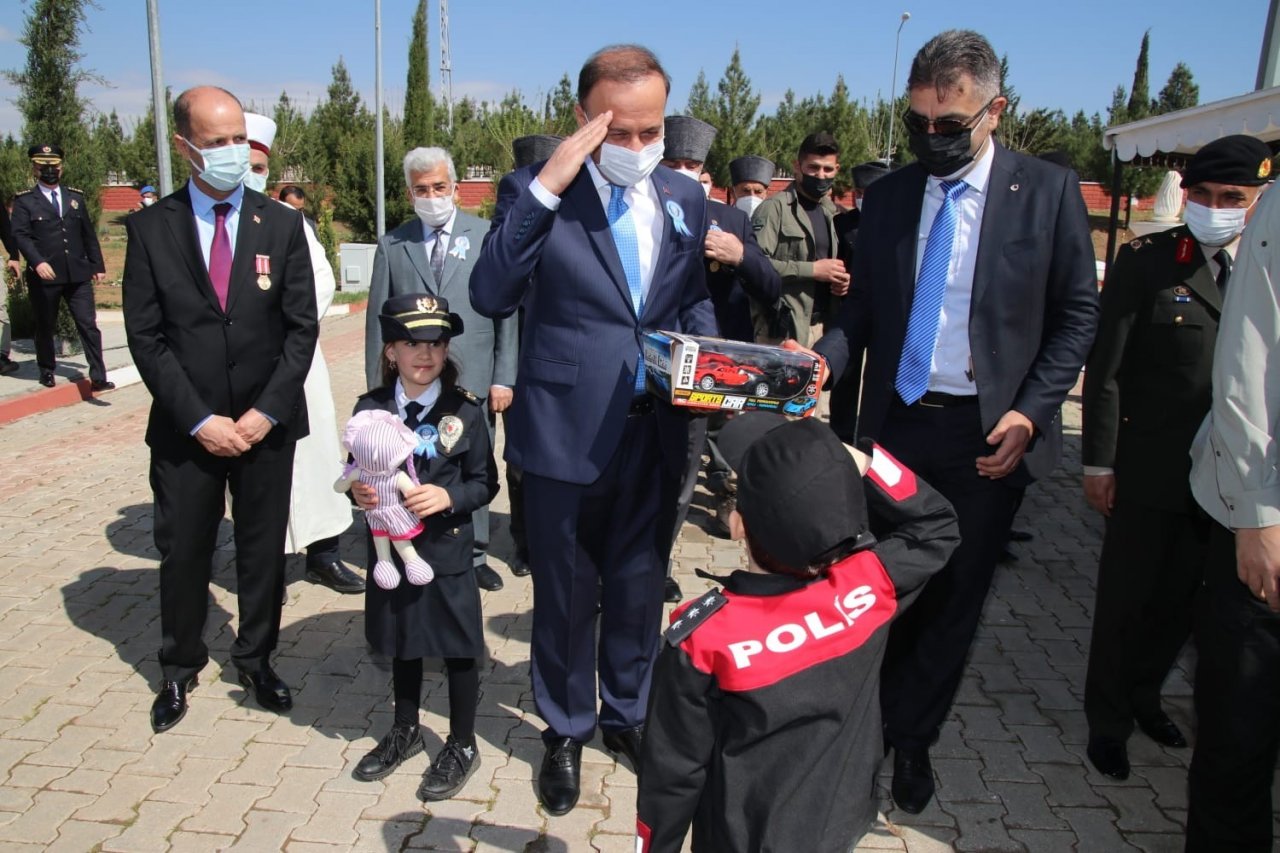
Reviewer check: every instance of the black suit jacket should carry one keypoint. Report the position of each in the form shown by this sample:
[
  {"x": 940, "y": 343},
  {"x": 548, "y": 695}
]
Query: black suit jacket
[
  {"x": 197, "y": 359},
  {"x": 1034, "y": 306},
  {"x": 1147, "y": 388},
  {"x": 66, "y": 242},
  {"x": 6, "y": 234},
  {"x": 733, "y": 288}
]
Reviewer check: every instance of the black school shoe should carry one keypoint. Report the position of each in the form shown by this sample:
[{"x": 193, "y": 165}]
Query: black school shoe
[
  {"x": 449, "y": 772},
  {"x": 397, "y": 746}
]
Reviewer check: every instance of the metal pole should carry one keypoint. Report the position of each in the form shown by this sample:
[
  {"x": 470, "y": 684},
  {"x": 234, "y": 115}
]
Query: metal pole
[
  {"x": 380, "y": 192},
  {"x": 893, "y": 87},
  {"x": 1269, "y": 60},
  {"x": 158, "y": 106},
  {"x": 1117, "y": 174}
]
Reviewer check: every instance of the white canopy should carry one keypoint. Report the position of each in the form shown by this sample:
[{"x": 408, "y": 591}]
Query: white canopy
[{"x": 1184, "y": 131}]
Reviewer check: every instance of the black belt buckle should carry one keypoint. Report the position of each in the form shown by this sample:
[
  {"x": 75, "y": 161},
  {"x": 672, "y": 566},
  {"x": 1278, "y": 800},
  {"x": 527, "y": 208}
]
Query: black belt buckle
[
  {"x": 640, "y": 406},
  {"x": 939, "y": 400}
]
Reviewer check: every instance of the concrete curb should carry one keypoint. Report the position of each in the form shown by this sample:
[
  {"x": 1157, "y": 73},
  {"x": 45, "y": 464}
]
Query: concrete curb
[{"x": 77, "y": 390}]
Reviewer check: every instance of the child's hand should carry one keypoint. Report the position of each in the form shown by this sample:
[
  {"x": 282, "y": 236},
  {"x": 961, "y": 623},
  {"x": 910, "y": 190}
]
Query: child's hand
[
  {"x": 366, "y": 496},
  {"x": 427, "y": 500}
]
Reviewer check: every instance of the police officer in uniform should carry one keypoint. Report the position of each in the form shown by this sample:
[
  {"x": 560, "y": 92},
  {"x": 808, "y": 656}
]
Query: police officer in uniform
[
  {"x": 55, "y": 234},
  {"x": 1146, "y": 391}
]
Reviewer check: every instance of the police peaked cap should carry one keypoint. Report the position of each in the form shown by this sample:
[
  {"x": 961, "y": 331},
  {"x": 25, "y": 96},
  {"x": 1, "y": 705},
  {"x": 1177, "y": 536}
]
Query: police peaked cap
[
  {"x": 1238, "y": 159},
  {"x": 751, "y": 168},
  {"x": 418, "y": 317},
  {"x": 527, "y": 150},
  {"x": 687, "y": 138},
  {"x": 45, "y": 154}
]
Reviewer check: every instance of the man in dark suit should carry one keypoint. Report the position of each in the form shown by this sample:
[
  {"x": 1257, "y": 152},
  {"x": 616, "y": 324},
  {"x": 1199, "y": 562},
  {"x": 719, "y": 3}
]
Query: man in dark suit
[
  {"x": 12, "y": 265},
  {"x": 599, "y": 243},
  {"x": 1146, "y": 391},
  {"x": 220, "y": 311},
  {"x": 55, "y": 233},
  {"x": 975, "y": 298},
  {"x": 434, "y": 253},
  {"x": 738, "y": 271}
]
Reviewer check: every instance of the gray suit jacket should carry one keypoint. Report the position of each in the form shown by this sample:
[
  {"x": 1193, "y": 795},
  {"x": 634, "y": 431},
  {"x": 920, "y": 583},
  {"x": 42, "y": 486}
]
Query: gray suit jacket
[{"x": 486, "y": 349}]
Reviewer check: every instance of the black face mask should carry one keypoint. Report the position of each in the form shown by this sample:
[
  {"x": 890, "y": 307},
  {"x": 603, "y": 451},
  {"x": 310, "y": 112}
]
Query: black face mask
[
  {"x": 49, "y": 175},
  {"x": 942, "y": 154},
  {"x": 815, "y": 187}
]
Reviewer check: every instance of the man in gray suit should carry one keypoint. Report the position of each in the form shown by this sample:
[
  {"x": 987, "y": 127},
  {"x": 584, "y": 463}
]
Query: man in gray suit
[{"x": 434, "y": 253}]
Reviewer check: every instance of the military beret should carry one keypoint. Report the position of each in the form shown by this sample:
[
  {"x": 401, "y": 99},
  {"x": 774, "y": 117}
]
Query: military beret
[
  {"x": 687, "y": 138},
  {"x": 866, "y": 174},
  {"x": 418, "y": 317},
  {"x": 751, "y": 168},
  {"x": 527, "y": 150},
  {"x": 45, "y": 154},
  {"x": 1238, "y": 159},
  {"x": 148, "y": 189}
]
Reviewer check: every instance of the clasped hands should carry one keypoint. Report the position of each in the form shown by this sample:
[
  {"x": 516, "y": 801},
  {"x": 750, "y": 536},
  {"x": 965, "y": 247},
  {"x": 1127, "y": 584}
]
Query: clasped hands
[{"x": 222, "y": 436}]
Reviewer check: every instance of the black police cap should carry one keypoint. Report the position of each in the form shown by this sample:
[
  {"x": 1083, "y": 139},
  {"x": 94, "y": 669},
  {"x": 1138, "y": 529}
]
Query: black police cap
[{"x": 418, "y": 317}]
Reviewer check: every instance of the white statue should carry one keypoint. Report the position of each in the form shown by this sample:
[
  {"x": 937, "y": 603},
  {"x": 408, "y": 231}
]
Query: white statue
[{"x": 1168, "y": 199}]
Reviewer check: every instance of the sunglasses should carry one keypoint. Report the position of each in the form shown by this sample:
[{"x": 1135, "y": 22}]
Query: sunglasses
[{"x": 917, "y": 123}]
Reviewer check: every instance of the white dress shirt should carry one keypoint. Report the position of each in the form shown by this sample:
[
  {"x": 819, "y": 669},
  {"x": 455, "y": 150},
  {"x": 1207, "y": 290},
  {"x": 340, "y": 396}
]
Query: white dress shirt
[
  {"x": 429, "y": 236},
  {"x": 950, "y": 372},
  {"x": 646, "y": 213},
  {"x": 202, "y": 207},
  {"x": 49, "y": 196},
  {"x": 427, "y": 398}
]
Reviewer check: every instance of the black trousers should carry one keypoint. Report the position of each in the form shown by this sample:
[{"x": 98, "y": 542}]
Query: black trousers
[
  {"x": 190, "y": 487},
  {"x": 928, "y": 644},
  {"x": 1237, "y": 696},
  {"x": 1151, "y": 566},
  {"x": 600, "y": 542},
  {"x": 79, "y": 297}
]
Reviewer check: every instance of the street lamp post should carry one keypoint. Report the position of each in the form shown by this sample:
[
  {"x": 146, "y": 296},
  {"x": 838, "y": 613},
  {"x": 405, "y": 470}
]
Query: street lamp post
[{"x": 893, "y": 87}]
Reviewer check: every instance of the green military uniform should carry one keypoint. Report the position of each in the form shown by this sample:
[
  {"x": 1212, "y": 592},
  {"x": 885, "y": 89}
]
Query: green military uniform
[
  {"x": 1147, "y": 389},
  {"x": 784, "y": 232}
]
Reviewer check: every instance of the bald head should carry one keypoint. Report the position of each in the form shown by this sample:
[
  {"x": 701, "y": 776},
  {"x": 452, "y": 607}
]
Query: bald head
[{"x": 203, "y": 104}]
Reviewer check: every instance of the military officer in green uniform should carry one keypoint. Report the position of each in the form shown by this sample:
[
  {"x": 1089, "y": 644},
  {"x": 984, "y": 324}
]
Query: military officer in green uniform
[{"x": 1146, "y": 391}]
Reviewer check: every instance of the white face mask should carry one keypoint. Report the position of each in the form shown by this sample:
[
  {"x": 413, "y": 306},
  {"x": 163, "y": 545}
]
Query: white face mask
[
  {"x": 1215, "y": 226},
  {"x": 147, "y": 202},
  {"x": 256, "y": 181},
  {"x": 690, "y": 174},
  {"x": 224, "y": 167},
  {"x": 625, "y": 167},
  {"x": 748, "y": 204},
  {"x": 434, "y": 211}
]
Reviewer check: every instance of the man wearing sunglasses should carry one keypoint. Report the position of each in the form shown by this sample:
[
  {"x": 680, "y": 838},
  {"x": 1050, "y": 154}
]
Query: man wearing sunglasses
[{"x": 974, "y": 293}]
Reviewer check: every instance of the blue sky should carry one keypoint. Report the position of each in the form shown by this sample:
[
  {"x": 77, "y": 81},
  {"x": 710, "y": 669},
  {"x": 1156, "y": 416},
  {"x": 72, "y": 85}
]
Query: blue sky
[{"x": 1068, "y": 55}]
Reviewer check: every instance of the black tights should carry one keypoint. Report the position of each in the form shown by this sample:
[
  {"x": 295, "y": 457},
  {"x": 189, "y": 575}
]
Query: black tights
[{"x": 464, "y": 693}]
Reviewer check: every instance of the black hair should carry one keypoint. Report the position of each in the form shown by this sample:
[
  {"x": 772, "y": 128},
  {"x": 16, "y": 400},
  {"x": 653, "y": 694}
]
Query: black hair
[
  {"x": 821, "y": 143},
  {"x": 290, "y": 191},
  {"x": 619, "y": 63},
  {"x": 448, "y": 376}
]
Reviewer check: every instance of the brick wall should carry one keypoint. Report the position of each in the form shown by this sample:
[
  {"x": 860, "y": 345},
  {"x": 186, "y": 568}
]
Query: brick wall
[{"x": 119, "y": 199}]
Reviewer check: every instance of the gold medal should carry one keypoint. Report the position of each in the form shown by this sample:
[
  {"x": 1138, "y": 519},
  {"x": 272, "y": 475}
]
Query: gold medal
[
  {"x": 714, "y": 266},
  {"x": 264, "y": 282}
]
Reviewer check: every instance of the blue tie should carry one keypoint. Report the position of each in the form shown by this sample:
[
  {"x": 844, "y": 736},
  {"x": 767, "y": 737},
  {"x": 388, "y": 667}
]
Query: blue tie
[
  {"x": 623, "y": 228},
  {"x": 926, "y": 307}
]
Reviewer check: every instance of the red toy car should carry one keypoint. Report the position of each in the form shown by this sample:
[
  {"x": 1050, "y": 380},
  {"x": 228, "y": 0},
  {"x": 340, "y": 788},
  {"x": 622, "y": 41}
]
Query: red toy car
[{"x": 719, "y": 371}]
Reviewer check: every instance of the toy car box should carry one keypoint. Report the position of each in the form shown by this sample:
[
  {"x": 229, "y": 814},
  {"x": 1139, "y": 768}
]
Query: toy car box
[{"x": 711, "y": 373}]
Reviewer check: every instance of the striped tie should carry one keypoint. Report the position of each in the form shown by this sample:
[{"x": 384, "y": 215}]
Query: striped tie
[
  {"x": 926, "y": 308},
  {"x": 623, "y": 228}
]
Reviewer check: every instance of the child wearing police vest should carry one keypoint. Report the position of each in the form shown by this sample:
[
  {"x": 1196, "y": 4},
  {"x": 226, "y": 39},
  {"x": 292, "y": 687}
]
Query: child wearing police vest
[
  {"x": 457, "y": 473},
  {"x": 763, "y": 729}
]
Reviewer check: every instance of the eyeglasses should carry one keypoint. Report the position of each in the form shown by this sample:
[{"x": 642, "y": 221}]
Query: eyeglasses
[{"x": 917, "y": 123}]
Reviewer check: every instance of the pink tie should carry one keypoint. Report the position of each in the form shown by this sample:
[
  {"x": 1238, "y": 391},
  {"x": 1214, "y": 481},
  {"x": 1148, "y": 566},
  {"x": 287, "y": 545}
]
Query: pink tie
[{"x": 220, "y": 254}]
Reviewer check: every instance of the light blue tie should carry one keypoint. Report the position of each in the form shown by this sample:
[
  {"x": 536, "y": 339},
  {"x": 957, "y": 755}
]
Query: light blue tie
[
  {"x": 623, "y": 228},
  {"x": 926, "y": 307}
]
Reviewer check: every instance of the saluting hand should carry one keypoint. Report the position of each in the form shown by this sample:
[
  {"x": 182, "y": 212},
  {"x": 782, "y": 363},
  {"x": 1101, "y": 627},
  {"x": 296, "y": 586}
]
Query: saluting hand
[
  {"x": 1010, "y": 437},
  {"x": 564, "y": 164}
]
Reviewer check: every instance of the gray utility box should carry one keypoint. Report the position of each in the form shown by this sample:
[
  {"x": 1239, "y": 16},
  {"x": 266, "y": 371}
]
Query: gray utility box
[{"x": 356, "y": 262}]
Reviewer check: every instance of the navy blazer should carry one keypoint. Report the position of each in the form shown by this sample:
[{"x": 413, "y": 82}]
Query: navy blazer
[
  {"x": 733, "y": 288},
  {"x": 1034, "y": 309},
  {"x": 581, "y": 335}
]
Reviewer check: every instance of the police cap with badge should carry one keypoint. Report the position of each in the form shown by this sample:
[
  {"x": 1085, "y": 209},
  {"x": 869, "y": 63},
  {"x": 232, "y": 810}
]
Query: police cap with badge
[
  {"x": 45, "y": 155},
  {"x": 527, "y": 150},
  {"x": 687, "y": 138},
  {"x": 418, "y": 317},
  {"x": 751, "y": 168},
  {"x": 1238, "y": 160}
]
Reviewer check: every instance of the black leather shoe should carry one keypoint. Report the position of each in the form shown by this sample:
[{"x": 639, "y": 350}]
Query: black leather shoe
[
  {"x": 487, "y": 578},
  {"x": 1162, "y": 730},
  {"x": 46, "y": 379},
  {"x": 104, "y": 385},
  {"x": 671, "y": 592},
  {"x": 170, "y": 704},
  {"x": 396, "y": 746},
  {"x": 520, "y": 566},
  {"x": 335, "y": 575},
  {"x": 267, "y": 688},
  {"x": 560, "y": 779},
  {"x": 1021, "y": 535},
  {"x": 8, "y": 365},
  {"x": 449, "y": 772},
  {"x": 912, "y": 779},
  {"x": 1109, "y": 756},
  {"x": 628, "y": 742}
]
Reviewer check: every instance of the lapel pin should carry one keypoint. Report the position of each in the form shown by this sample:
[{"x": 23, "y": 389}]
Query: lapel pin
[
  {"x": 1013, "y": 187},
  {"x": 257, "y": 220}
]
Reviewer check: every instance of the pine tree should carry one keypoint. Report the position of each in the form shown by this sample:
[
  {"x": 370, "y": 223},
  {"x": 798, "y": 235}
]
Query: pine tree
[
  {"x": 562, "y": 120},
  {"x": 419, "y": 106},
  {"x": 287, "y": 153},
  {"x": 733, "y": 113},
  {"x": 699, "y": 104},
  {"x": 1179, "y": 92}
]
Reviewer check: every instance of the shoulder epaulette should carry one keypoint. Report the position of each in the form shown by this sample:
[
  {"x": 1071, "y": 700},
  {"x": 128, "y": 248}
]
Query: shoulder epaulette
[
  {"x": 467, "y": 395},
  {"x": 694, "y": 615},
  {"x": 74, "y": 190},
  {"x": 27, "y": 191}
]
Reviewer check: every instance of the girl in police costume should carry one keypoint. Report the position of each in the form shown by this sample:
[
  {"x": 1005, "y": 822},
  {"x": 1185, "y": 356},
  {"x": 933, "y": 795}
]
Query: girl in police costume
[{"x": 458, "y": 474}]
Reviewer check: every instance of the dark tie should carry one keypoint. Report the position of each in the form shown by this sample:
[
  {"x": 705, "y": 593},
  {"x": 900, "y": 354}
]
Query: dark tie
[
  {"x": 412, "y": 411},
  {"x": 1224, "y": 269},
  {"x": 53, "y": 196},
  {"x": 220, "y": 254},
  {"x": 437, "y": 257}
]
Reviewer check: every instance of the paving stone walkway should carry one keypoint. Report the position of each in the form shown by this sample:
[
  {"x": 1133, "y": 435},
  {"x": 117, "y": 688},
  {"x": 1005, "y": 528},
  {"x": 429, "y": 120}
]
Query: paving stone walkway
[{"x": 81, "y": 770}]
